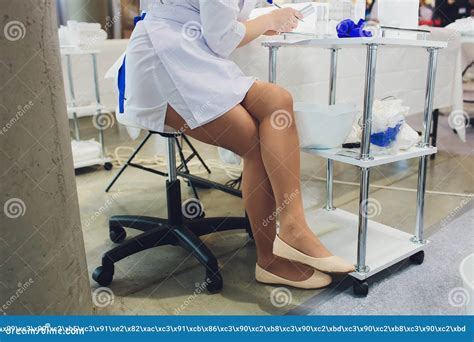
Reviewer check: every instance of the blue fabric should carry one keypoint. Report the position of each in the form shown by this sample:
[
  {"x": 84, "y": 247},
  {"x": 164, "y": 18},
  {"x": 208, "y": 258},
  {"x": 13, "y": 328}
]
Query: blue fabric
[
  {"x": 121, "y": 86},
  {"x": 385, "y": 139},
  {"x": 349, "y": 29},
  {"x": 138, "y": 18},
  {"x": 121, "y": 72}
]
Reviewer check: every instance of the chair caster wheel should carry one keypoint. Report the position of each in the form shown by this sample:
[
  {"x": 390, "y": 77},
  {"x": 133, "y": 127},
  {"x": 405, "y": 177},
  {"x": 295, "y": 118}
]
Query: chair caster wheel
[
  {"x": 360, "y": 288},
  {"x": 214, "y": 282},
  {"x": 418, "y": 258},
  {"x": 117, "y": 234},
  {"x": 108, "y": 166},
  {"x": 103, "y": 276}
]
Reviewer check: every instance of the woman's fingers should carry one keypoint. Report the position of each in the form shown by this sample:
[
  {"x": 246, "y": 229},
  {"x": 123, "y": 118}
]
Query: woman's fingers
[{"x": 285, "y": 19}]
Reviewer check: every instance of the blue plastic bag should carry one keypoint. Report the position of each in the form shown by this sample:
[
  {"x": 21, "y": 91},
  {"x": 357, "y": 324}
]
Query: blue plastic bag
[
  {"x": 349, "y": 29},
  {"x": 385, "y": 139}
]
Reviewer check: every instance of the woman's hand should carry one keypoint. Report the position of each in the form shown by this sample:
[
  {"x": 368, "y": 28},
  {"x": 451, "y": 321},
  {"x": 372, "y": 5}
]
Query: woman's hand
[
  {"x": 284, "y": 19},
  {"x": 275, "y": 22}
]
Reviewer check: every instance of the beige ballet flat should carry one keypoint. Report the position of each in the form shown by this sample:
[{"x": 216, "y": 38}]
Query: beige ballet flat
[
  {"x": 316, "y": 281},
  {"x": 332, "y": 264}
]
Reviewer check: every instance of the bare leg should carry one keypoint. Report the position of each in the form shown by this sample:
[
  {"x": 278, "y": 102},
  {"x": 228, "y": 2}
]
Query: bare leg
[
  {"x": 272, "y": 107},
  {"x": 238, "y": 132}
]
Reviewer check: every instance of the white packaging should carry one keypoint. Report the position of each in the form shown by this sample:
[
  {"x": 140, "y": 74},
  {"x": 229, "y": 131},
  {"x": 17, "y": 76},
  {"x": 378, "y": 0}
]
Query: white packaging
[
  {"x": 322, "y": 18},
  {"x": 398, "y": 13},
  {"x": 359, "y": 7}
]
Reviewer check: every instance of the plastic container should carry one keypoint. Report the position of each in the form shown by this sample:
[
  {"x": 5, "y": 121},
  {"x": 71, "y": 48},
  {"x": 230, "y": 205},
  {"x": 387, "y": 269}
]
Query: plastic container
[
  {"x": 324, "y": 127},
  {"x": 467, "y": 274}
]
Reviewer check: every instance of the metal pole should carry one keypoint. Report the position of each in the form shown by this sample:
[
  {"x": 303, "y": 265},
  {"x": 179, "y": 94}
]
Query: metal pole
[
  {"x": 97, "y": 98},
  {"x": 96, "y": 78},
  {"x": 72, "y": 94},
  {"x": 333, "y": 77},
  {"x": 171, "y": 156},
  {"x": 332, "y": 101},
  {"x": 430, "y": 83},
  {"x": 365, "y": 155},
  {"x": 368, "y": 101},
  {"x": 425, "y": 143},
  {"x": 272, "y": 64},
  {"x": 363, "y": 220}
]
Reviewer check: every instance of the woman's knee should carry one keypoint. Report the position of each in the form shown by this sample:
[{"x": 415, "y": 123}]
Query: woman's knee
[
  {"x": 283, "y": 99},
  {"x": 270, "y": 100}
]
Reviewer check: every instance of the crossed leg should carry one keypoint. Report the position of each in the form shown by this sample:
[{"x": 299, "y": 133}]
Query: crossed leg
[{"x": 268, "y": 143}]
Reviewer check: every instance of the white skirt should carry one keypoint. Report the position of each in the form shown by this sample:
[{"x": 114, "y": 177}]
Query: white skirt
[{"x": 165, "y": 66}]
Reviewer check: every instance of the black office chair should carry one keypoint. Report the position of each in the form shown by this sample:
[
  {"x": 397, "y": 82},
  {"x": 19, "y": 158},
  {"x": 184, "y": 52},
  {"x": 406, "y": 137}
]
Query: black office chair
[{"x": 183, "y": 227}]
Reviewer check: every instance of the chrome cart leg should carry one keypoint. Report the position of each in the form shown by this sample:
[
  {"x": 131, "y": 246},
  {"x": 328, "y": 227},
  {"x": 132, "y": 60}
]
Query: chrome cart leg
[
  {"x": 425, "y": 143},
  {"x": 332, "y": 101},
  {"x": 368, "y": 101},
  {"x": 77, "y": 133},
  {"x": 272, "y": 72},
  {"x": 97, "y": 98},
  {"x": 363, "y": 219},
  {"x": 365, "y": 155},
  {"x": 72, "y": 94}
]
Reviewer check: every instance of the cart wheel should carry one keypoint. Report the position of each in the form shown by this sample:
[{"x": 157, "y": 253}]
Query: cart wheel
[
  {"x": 108, "y": 166},
  {"x": 117, "y": 234},
  {"x": 103, "y": 276},
  {"x": 418, "y": 258},
  {"x": 361, "y": 288},
  {"x": 214, "y": 282}
]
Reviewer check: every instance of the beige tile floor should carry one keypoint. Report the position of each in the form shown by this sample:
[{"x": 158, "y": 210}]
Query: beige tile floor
[{"x": 166, "y": 281}]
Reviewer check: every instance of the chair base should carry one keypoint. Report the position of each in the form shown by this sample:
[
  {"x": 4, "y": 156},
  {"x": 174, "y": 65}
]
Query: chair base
[{"x": 174, "y": 230}]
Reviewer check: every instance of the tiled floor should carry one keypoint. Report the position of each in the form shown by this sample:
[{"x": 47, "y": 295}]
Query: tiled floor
[{"x": 166, "y": 281}]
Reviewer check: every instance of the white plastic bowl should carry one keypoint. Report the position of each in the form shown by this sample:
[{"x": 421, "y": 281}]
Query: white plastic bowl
[
  {"x": 324, "y": 127},
  {"x": 467, "y": 274}
]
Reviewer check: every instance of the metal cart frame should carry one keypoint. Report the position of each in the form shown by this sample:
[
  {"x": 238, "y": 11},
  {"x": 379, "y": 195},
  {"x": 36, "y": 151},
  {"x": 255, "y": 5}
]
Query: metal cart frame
[
  {"x": 97, "y": 110},
  {"x": 365, "y": 160}
]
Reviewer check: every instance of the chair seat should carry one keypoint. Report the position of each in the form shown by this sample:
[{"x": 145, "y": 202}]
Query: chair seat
[{"x": 122, "y": 119}]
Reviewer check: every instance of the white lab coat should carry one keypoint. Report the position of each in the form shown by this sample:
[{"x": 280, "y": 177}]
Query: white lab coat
[{"x": 178, "y": 56}]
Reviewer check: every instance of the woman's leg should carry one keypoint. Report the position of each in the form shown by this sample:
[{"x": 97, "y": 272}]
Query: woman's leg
[
  {"x": 238, "y": 131},
  {"x": 272, "y": 107}
]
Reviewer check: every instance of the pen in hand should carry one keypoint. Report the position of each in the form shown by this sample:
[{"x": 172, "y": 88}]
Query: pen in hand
[{"x": 278, "y": 6}]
